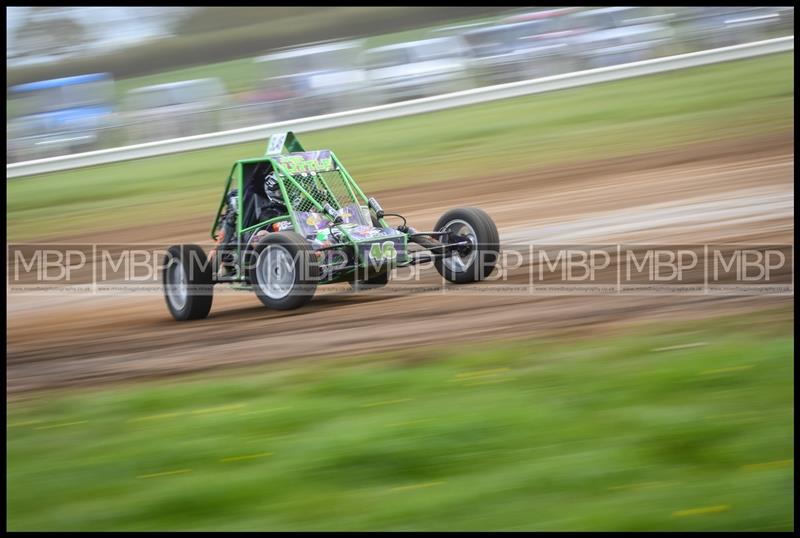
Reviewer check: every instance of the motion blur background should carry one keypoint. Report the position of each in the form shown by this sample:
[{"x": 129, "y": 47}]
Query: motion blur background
[
  {"x": 434, "y": 411},
  {"x": 88, "y": 78}
]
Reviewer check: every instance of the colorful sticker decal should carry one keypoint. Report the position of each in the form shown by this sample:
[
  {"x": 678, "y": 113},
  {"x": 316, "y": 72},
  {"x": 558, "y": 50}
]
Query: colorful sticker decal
[
  {"x": 314, "y": 220},
  {"x": 368, "y": 232},
  {"x": 308, "y": 161},
  {"x": 311, "y": 221},
  {"x": 282, "y": 225},
  {"x": 352, "y": 214}
]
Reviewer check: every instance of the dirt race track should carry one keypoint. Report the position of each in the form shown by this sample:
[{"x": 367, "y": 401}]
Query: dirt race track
[{"x": 734, "y": 191}]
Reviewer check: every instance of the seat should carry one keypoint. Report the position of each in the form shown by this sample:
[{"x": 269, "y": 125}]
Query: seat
[
  {"x": 254, "y": 197},
  {"x": 248, "y": 217}
]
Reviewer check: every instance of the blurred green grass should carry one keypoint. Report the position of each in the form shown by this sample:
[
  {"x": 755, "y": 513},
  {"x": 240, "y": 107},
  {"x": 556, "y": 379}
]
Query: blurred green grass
[
  {"x": 675, "y": 427},
  {"x": 730, "y": 100}
]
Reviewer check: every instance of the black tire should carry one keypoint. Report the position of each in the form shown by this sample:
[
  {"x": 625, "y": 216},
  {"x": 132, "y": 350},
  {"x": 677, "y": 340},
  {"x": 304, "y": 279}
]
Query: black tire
[
  {"x": 486, "y": 249},
  {"x": 188, "y": 284},
  {"x": 290, "y": 282}
]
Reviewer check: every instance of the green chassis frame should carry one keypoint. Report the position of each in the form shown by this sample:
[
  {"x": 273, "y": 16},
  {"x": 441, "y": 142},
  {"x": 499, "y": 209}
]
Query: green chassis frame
[{"x": 292, "y": 145}]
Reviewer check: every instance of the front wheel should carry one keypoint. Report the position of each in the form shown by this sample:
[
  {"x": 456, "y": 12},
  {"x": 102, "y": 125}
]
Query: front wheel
[
  {"x": 188, "y": 287},
  {"x": 284, "y": 270},
  {"x": 476, "y": 259}
]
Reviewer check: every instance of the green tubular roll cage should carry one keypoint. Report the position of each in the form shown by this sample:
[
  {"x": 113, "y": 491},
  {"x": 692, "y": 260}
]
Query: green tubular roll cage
[{"x": 284, "y": 177}]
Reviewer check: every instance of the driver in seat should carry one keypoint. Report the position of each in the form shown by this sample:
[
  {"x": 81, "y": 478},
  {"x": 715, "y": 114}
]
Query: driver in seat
[
  {"x": 266, "y": 202},
  {"x": 270, "y": 204}
]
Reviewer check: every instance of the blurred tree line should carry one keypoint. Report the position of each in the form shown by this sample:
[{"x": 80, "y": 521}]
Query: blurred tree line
[
  {"x": 215, "y": 34},
  {"x": 48, "y": 31}
]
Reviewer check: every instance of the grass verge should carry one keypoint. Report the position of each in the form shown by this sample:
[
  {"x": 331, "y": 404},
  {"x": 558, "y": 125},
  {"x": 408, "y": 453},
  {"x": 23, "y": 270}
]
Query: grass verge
[
  {"x": 677, "y": 427},
  {"x": 730, "y": 100}
]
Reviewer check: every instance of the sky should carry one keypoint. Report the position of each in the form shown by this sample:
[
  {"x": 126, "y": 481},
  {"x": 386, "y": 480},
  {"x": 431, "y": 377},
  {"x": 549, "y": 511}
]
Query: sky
[{"x": 130, "y": 24}]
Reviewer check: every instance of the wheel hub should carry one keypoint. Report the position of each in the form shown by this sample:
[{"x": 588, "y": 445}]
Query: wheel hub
[
  {"x": 463, "y": 256},
  {"x": 275, "y": 272}
]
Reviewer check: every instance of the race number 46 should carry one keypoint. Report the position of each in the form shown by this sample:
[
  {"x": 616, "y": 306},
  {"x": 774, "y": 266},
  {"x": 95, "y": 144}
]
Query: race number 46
[{"x": 383, "y": 251}]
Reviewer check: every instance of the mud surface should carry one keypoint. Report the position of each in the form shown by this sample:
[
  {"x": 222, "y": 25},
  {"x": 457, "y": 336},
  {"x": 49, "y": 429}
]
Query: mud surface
[{"x": 736, "y": 191}]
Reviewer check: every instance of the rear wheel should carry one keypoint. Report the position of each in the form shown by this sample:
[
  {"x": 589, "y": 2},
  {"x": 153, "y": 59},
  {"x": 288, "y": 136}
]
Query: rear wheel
[
  {"x": 477, "y": 258},
  {"x": 188, "y": 287},
  {"x": 284, "y": 270}
]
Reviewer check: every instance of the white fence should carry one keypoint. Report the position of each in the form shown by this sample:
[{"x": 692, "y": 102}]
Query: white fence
[{"x": 406, "y": 108}]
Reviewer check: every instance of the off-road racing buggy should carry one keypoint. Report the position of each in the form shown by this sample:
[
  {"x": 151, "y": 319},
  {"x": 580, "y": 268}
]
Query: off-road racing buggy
[{"x": 296, "y": 219}]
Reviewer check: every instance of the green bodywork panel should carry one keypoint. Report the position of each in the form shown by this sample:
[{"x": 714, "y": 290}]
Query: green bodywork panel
[{"x": 308, "y": 181}]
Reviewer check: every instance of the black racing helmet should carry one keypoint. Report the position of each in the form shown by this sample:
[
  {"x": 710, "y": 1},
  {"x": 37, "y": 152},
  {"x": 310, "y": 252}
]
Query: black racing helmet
[{"x": 272, "y": 190}]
